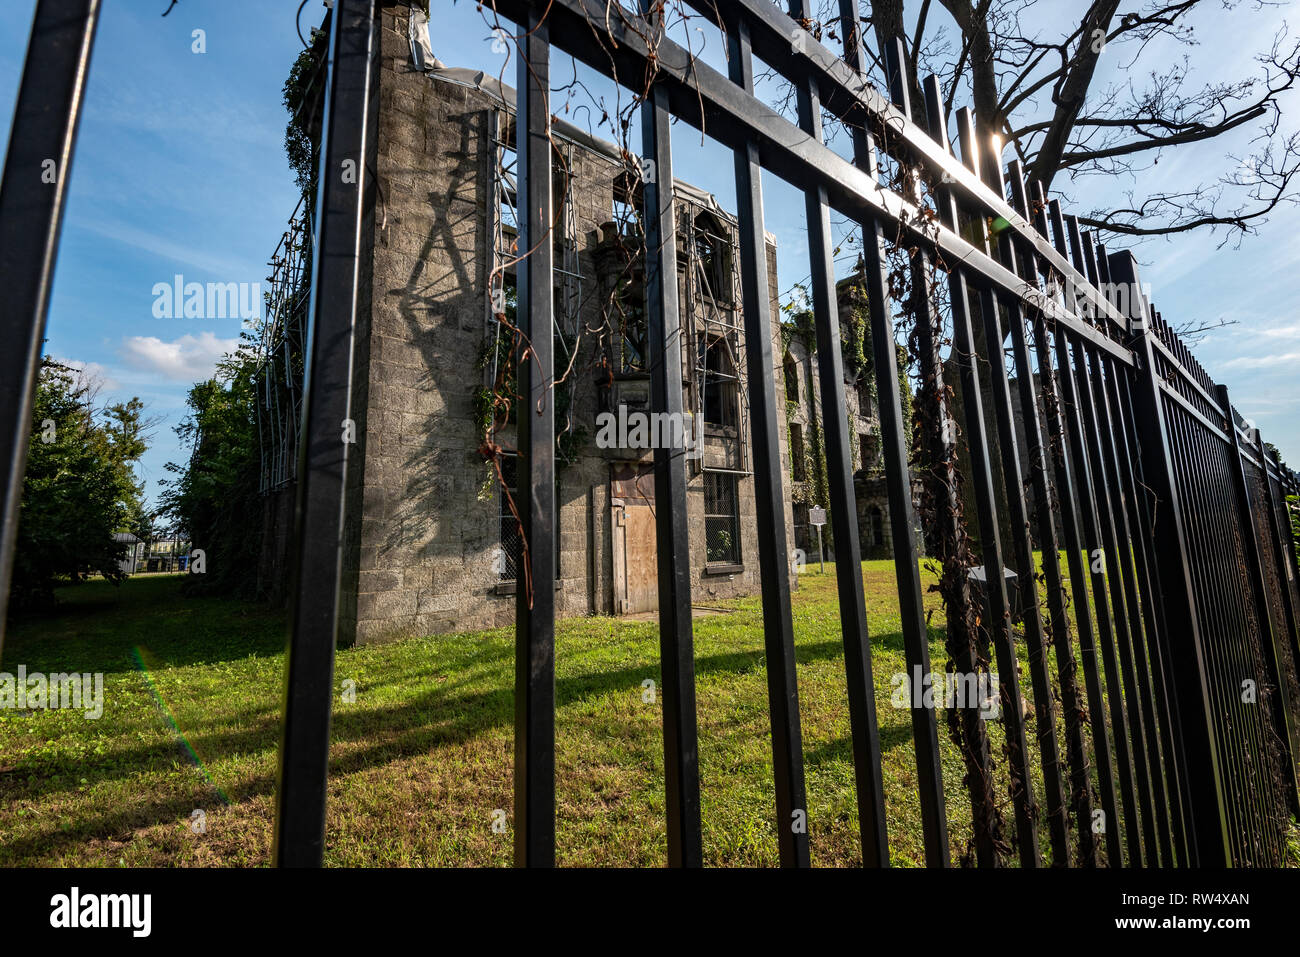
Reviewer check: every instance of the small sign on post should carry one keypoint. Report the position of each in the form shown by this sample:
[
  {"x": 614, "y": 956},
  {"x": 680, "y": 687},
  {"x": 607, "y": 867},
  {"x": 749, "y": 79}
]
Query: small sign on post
[{"x": 817, "y": 516}]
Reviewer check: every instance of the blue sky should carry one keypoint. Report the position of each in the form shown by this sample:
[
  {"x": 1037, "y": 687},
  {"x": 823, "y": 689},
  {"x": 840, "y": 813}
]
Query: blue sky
[{"x": 180, "y": 168}]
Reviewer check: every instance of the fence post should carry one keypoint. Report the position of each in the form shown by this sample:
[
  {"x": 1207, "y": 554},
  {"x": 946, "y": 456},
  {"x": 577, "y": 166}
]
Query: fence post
[
  {"x": 1208, "y": 834},
  {"x": 676, "y": 636},
  {"x": 1269, "y": 631},
  {"x": 535, "y": 496},
  {"x": 299, "y": 838},
  {"x": 32, "y": 194}
]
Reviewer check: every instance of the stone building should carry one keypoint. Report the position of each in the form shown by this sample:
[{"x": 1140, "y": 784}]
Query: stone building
[
  {"x": 430, "y": 541},
  {"x": 802, "y": 382}
]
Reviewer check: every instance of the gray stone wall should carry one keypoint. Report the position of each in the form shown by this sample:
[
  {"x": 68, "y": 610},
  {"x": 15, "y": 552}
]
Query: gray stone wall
[{"x": 423, "y": 528}]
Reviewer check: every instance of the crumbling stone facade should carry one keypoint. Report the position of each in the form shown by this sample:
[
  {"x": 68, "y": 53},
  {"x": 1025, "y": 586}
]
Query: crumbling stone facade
[
  {"x": 428, "y": 543},
  {"x": 805, "y": 436}
]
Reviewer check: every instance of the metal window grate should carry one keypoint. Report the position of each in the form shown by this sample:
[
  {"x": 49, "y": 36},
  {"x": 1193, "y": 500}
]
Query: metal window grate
[{"x": 721, "y": 519}]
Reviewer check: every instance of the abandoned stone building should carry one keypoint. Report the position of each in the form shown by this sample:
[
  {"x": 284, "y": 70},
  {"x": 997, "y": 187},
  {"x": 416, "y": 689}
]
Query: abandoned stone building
[{"x": 431, "y": 544}]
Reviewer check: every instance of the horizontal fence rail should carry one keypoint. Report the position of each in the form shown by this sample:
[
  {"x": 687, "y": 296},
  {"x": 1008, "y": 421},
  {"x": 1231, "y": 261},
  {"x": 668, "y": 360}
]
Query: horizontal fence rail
[{"x": 1130, "y": 531}]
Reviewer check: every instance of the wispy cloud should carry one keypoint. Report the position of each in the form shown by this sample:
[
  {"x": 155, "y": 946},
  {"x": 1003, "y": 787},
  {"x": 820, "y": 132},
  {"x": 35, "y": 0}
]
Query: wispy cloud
[
  {"x": 185, "y": 253},
  {"x": 91, "y": 372},
  {"x": 1262, "y": 362},
  {"x": 186, "y": 359},
  {"x": 1280, "y": 332}
]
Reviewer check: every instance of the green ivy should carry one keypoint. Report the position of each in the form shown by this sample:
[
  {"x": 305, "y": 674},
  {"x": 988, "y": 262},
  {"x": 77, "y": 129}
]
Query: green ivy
[{"x": 306, "y": 84}]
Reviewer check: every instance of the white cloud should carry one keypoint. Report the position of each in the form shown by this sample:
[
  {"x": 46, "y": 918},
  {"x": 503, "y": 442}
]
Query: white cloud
[
  {"x": 90, "y": 372},
  {"x": 1262, "y": 362},
  {"x": 1280, "y": 332},
  {"x": 187, "y": 359}
]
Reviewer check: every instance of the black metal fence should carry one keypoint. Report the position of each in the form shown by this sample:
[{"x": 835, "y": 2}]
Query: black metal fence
[{"x": 1172, "y": 626}]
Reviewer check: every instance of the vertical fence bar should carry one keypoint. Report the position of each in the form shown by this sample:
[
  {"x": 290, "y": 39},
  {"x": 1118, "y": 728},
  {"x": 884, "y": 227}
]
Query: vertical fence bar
[
  {"x": 1027, "y": 266},
  {"x": 1146, "y": 623},
  {"x": 938, "y": 467},
  {"x": 1209, "y": 830},
  {"x": 844, "y": 518},
  {"x": 773, "y": 556},
  {"x": 1269, "y": 631},
  {"x": 38, "y": 167},
  {"x": 327, "y": 433},
  {"x": 902, "y": 514},
  {"x": 1109, "y": 501},
  {"x": 966, "y": 358},
  {"x": 676, "y": 636},
  {"x": 1203, "y": 546},
  {"x": 1281, "y": 547},
  {"x": 1155, "y": 698},
  {"x": 535, "y": 498},
  {"x": 1020, "y": 523},
  {"x": 1153, "y": 610},
  {"x": 1224, "y": 621},
  {"x": 1072, "y": 363},
  {"x": 1067, "y": 500}
]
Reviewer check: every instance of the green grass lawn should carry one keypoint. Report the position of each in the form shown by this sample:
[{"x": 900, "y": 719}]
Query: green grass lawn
[{"x": 423, "y": 757}]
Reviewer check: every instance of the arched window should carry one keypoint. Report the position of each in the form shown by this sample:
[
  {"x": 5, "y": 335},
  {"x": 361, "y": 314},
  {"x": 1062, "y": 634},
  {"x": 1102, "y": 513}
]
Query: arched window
[{"x": 791, "y": 379}]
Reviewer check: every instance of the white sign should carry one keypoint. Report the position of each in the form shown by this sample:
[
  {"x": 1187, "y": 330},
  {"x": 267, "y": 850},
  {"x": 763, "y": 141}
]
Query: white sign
[{"x": 817, "y": 515}]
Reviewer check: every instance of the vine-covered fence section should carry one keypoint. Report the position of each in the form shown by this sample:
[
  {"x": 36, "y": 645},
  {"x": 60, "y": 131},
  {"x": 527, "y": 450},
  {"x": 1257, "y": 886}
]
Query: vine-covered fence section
[{"x": 1155, "y": 598}]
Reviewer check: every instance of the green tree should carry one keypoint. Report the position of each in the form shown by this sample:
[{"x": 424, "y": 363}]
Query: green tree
[
  {"x": 215, "y": 500},
  {"x": 79, "y": 489}
]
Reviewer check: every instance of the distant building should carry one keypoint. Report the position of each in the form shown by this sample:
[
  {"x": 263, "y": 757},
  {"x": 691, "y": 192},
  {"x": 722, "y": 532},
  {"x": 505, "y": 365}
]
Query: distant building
[{"x": 131, "y": 562}]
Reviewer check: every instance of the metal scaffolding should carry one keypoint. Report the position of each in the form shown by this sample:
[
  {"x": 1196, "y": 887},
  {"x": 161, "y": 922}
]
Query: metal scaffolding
[
  {"x": 712, "y": 309},
  {"x": 280, "y": 349},
  {"x": 502, "y": 238}
]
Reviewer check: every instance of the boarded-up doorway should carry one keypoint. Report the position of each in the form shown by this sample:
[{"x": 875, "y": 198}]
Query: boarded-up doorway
[{"x": 636, "y": 570}]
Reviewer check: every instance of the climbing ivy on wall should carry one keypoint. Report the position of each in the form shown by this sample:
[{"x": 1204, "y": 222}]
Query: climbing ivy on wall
[{"x": 304, "y": 98}]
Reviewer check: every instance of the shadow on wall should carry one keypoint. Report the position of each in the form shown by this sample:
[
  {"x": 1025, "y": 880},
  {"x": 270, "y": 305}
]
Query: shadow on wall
[{"x": 426, "y": 419}]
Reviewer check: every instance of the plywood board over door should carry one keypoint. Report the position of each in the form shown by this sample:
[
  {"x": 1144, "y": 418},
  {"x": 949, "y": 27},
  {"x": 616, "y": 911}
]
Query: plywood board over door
[{"x": 635, "y": 553}]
